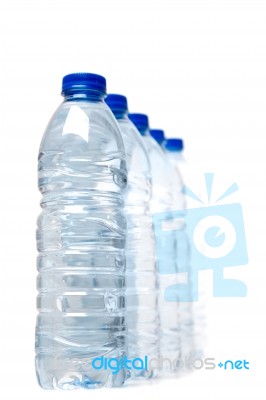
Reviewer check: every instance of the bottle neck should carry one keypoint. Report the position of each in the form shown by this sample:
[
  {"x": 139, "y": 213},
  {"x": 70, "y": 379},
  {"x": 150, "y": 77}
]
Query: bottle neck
[
  {"x": 84, "y": 95},
  {"x": 144, "y": 131},
  {"x": 120, "y": 114},
  {"x": 176, "y": 156}
]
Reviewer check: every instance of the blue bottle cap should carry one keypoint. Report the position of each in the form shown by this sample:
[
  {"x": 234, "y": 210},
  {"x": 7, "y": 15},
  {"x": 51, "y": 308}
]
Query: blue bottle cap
[
  {"x": 158, "y": 135},
  {"x": 117, "y": 103},
  {"x": 174, "y": 144},
  {"x": 141, "y": 121},
  {"x": 83, "y": 81}
]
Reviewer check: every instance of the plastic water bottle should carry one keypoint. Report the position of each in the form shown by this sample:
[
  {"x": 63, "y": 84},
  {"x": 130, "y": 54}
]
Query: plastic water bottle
[
  {"x": 175, "y": 152},
  {"x": 81, "y": 241},
  {"x": 161, "y": 204},
  {"x": 141, "y": 292},
  {"x": 173, "y": 149}
]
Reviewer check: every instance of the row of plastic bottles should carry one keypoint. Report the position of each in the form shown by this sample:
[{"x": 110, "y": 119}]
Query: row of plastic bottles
[{"x": 108, "y": 302}]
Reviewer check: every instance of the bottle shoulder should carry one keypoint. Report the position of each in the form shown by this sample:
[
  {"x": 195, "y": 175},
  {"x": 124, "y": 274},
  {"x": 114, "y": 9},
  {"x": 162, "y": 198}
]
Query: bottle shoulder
[
  {"x": 82, "y": 127},
  {"x": 136, "y": 154},
  {"x": 160, "y": 165}
]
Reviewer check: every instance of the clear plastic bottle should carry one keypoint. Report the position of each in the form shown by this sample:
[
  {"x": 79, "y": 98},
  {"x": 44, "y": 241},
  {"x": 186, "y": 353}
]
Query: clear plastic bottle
[
  {"x": 81, "y": 240},
  {"x": 173, "y": 149},
  {"x": 141, "y": 292},
  {"x": 161, "y": 205}
]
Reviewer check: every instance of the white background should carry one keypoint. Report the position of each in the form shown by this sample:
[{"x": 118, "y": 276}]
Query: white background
[{"x": 198, "y": 68}]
